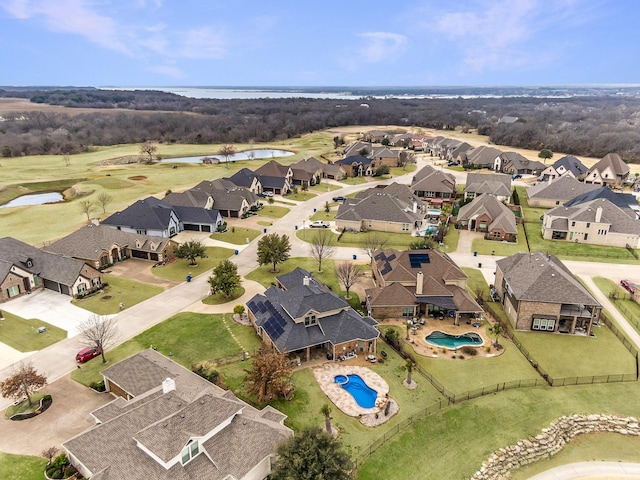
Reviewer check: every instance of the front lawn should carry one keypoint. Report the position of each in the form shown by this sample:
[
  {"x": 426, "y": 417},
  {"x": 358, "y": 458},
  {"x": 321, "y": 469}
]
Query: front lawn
[
  {"x": 273, "y": 211},
  {"x": 504, "y": 249},
  {"x": 571, "y": 356},
  {"x": 179, "y": 269},
  {"x": 187, "y": 338},
  {"x": 237, "y": 235},
  {"x": 394, "y": 240},
  {"x": 22, "y": 334},
  {"x": 120, "y": 290},
  {"x": 354, "y": 180},
  {"x": 219, "y": 298},
  {"x": 329, "y": 216},
  {"x": 301, "y": 196},
  {"x": 325, "y": 187},
  {"x": 22, "y": 467}
]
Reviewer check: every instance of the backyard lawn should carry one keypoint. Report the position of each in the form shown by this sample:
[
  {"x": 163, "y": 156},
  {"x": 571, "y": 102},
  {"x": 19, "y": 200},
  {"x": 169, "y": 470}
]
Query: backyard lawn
[
  {"x": 504, "y": 249},
  {"x": 237, "y": 235},
  {"x": 476, "y": 282},
  {"x": 120, "y": 290},
  {"x": 22, "y": 334},
  {"x": 178, "y": 270}
]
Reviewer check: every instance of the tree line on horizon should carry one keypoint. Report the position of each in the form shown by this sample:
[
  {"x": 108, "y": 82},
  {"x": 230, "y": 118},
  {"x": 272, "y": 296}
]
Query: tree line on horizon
[{"x": 588, "y": 126}]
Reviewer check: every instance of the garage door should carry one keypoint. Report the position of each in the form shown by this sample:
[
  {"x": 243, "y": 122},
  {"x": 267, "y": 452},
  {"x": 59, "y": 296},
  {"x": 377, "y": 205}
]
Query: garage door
[
  {"x": 51, "y": 285},
  {"x": 192, "y": 227}
]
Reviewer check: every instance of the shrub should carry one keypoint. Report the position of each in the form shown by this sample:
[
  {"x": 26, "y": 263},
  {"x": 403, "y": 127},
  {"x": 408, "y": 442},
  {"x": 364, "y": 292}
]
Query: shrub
[
  {"x": 238, "y": 309},
  {"x": 467, "y": 350}
]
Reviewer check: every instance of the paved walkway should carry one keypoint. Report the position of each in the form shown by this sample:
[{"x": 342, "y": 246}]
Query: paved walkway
[{"x": 591, "y": 470}]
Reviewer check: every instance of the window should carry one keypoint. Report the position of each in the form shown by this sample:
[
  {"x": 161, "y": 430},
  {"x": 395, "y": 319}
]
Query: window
[
  {"x": 82, "y": 287},
  {"x": 588, "y": 224},
  {"x": 310, "y": 320},
  {"x": 586, "y": 235},
  {"x": 36, "y": 281},
  {"x": 544, "y": 324},
  {"x": 405, "y": 227},
  {"x": 602, "y": 231},
  {"x": 408, "y": 311},
  {"x": 189, "y": 452},
  {"x": 141, "y": 232},
  {"x": 13, "y": 291},
  {"x": 95, "y": 281},
  {"x": 573, "y": 224}
]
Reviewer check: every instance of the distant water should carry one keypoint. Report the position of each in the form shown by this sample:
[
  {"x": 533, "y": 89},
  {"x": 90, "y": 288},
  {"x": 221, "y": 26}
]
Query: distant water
[
  {"x": 34, "y": 199},
  {"x": 247, "y": 155}
]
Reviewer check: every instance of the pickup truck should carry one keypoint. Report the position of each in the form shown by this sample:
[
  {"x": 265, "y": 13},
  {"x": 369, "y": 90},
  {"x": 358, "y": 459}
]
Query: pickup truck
[{"x": 319, "y": 224}]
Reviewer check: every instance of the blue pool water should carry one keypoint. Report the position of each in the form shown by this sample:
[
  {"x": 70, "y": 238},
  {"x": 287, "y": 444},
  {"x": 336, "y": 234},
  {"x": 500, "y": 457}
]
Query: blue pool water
[
  {"x": 363, "y": 394},
  {"x": 445, "y": 340}
]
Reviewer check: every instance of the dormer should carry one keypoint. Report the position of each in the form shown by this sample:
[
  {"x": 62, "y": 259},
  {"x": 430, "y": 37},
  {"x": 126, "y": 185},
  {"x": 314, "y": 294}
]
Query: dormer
[
  {"x": 26, "y": 261},
  {"x": 152, "y": 245},
  {"x": 139, "y": 243}
]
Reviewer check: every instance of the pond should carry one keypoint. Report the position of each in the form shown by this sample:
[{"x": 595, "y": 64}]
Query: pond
[
  {"x": 246, "y": 155},
  {"x": 34, "y": 199}
]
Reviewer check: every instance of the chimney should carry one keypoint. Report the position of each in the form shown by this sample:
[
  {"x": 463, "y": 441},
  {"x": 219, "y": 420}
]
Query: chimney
[
  {"x": 598, "y": 214},
  {"x": 169, "y": 385},
  {"x": 95, "y": 221},
  {"x": 419, "y": 283},
  {"x": 415, "y": 207},
  {"x": 305, "y": 281}
]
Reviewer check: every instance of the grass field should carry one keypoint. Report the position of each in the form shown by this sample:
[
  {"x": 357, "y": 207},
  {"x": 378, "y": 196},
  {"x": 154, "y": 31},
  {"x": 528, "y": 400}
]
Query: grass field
[
  {"x": 273, "y": 211},
  {"x": 22, "y": 334},
  {"x": 120, "y": 290},
  {"x": 219, "y": 298},
  {"x": 237, "y": 235},
  {"x": 22, "y": 467},
  {"x": 622, "y": 301},
  {"x": 301, "y": 196},
  {"x": 179, "y": 269},
  {"x": 394, "y": 240},
  {"x": 490, "y": 247}
]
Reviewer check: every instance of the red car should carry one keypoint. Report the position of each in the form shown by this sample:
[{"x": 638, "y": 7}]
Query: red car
[
  {"x": 87, "y": 354},
  {"x": 628, "y": 286}
]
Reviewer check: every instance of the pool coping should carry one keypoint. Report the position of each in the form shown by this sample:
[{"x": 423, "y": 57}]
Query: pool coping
[
  {"x": 342, "y": 399},
  {"x": 454, "y": 335}
]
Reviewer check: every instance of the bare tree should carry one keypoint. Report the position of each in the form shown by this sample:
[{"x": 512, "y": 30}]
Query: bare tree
[
  {"x": 67, "y": 160},
  {"x": 49, "y": 453},
  {"x": 322, "y": 246},
  {"x": 270, "y": 375},
  {"x": 104, "y": 199},
  {"x": 373, "y": 242},
  {"x": 349, "y": 274},
  {"x": 148, "y": 151},
  {"x": 227, "y": 151},
  {"x": 99, "y": 331},
  {"x": 24, "y": 382},
  {"x": 86, "y": 207}
]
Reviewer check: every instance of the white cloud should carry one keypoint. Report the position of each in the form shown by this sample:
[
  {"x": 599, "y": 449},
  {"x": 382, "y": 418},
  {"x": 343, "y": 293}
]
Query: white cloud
[
  {"x": 167, "y": 71},
  {"x": 200, "y": 43},
  {"x": 381, "y": 46}
]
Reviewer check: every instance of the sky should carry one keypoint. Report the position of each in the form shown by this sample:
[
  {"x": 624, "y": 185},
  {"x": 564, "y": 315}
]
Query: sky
[{"x": 319, "y": 43}]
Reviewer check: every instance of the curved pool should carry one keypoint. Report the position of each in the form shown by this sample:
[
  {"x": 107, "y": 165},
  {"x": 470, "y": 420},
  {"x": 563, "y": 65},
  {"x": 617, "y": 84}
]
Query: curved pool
[
  {"x": 446, "y": 340},
  {"x": 363, "y": 394}
]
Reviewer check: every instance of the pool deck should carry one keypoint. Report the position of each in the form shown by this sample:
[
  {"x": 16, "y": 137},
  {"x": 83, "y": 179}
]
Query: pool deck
[{"x": 342, "y": 399}]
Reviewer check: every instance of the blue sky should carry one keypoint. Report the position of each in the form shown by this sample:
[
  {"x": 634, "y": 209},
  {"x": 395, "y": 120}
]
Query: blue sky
[{"x": 317, "y": 43}]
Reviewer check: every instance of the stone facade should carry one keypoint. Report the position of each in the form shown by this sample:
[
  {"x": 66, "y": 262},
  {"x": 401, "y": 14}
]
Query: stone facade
[
  {"x": 550, "y": 441},
  {"x": 528, "y": 309}
]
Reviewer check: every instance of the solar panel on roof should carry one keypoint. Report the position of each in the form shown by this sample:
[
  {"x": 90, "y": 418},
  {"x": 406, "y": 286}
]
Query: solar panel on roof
[
  {"x": 262, "y": 308},
  {"x": 273, "y": 329},
  {"x": 252, "y": 306},
  {"x": 386, "y": 269},
  {"x": 391, "y": 257},
  {"x": 417, "y": 259}
]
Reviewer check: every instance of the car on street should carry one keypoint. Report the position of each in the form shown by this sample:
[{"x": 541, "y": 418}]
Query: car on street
[
  {"x": 87, "y": 354},
  {"x": 268, "y": 193},
  {"x": 628, "y": 285},
  {"x": 319, "y": 224},
  {"x": 340, "y": 198},
  {"x": 516, "y": 176}
]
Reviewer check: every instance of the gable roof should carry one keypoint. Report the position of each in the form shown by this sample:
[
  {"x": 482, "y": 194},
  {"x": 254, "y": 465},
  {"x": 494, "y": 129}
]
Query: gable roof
[
  {"x": 244, "y": 177},
  {"x": 147, "y": 214},
  {"x": 614, "y": 162},
  {"x": 355, "y": 148},
  {"x": 482, "y": 156},
  {"x": 429, "y": 179},
  {"x": 501, "y": 216},
  {"x": 46, "y": 265},
  {"x": 378, "y": 206},
  {"x": 498, "y": 184},
  {"x": 357, "y": 159},
  {"x": 190, "y": 198},
  {"x": 311, "y": 165},
  {"x": 619, "y": 220},
  {"x": 537, "y": 277},
  {"x": 163, "y": 423},
  {"x": 92, "y": 240},
  {"x": 622, "y": 200},
  {"x": 272, "y": 169},
  {"x": 519, "y": 162},
  {"x": 226, "y": 195},
  {"x": 571, "y": 164},
  {"x": 565, "y": 188}
]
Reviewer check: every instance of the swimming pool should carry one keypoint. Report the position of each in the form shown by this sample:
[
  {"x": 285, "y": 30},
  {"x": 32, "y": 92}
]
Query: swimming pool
[
  {"x": 363, "y": 394},
  {"x": 446, "y": 340}
]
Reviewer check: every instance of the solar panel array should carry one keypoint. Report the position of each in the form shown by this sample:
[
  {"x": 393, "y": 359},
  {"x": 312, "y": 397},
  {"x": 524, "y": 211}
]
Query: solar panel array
[
  {"x": 274, "y": 326},
  {"x": 417, "y": 259},
  {"x": 386, "y": 269}
]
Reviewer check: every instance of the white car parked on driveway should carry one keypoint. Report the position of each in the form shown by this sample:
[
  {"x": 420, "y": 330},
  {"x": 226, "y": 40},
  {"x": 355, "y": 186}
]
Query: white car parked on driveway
[{"x": 319, "y": 224}]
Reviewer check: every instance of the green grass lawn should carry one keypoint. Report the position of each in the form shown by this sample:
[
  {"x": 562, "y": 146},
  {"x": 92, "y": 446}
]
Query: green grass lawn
[
  {"x": 579, "y": 356},
  {"x": 432, "y": 445},
  {"x": 301, "y": 196},
  {"x": 237, "y": 235},
  {"x": 476, "y": 282},
  {"x": 601, "y": 447},
  {"x": 219, "y": 298},
  {"x": 22, "y": 334},
  {"x": 629, "y": 308},
  {"x": 273, "y": 211},
  {"x": 187, "y": 338},
  {"x": 22, "y": 467},
  {"x": 451, "y": 240},
  {"x": 120, "y": 290},
  {"x": 489, "y": 247},
  {"x": 322, "y": 215},
  {"x": 354, "y": 180},
  {"x": 394, "y": 240},
  {"x": 325, "y": 187},
  {"x": 398, "y": 171},
  {"x": 179, "y": 269}
]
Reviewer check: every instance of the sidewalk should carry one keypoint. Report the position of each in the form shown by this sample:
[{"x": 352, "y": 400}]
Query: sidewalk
[{"x": 591, "y": 470}]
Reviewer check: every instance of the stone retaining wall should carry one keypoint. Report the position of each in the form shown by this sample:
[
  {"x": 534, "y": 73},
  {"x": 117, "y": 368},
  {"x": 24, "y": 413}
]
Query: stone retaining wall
[{"x": 550, "y": 441}]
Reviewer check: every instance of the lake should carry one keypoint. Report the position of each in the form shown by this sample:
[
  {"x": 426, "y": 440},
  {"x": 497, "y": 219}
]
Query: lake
[
  {"x": 257, "y": 154},
  {"x": 34, "y": 199}
]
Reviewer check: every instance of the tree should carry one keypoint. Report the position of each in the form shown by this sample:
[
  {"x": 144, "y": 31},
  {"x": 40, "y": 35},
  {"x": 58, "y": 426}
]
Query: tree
[
  {"x": 190, "y": 250},
  {"x": 273, "y": 249},
  {"x": 104, "y": 199},
  {"x": 148, "y": 151},
  {"x": 545, "y": 154},
  {"x": 422, "y": 243},
  {"x": 326, "y": 412},
  {"x": 327, "y": 208},
  {"x": 270, "y": 375},
  {"x": 312, "y": 454},
  {"x": 322, "y": 246},
  {"x": 225, "y": 278},
  {"x": 392, "y": 336},
  {"x": 348, "y": 274},
  {"x": 24, "y": 382},
  {"x": 67, "y": 160},
  {"x": 383, "y": 170},
  {"x": 385, "y": 141},
  {"x": 227, "y": 151},
  {"x": 408, "y": 327},
  {"x": 409, "y": 367},
  {"x": 270, "y": 202},
  {"x": 372, "y": 242},
  {"x": 100, "y": 332},
  {"x": 86, "y": 207},
  {"x": 496, "y": 330},
  {"x": 49, "y": 453}
]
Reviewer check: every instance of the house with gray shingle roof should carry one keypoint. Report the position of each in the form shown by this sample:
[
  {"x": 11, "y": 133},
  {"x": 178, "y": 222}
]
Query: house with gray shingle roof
[
  {"x": 434, "y": 185},
  {"x": 552, "y": 193},
  {"x": 357, "y": 165},
  {"x": 481, "y": 157},
  {"x": 248, "y": 179},
  {"x": 357, "y": 148},
  {"x": 567, "y": 165},
  {"x": 275, "y": 177},
  {"x": 100, "y": 246},
  {"x": 540, "y": 293},
  {"x": 24, "y": 269},
  {"x": 301, "y": 316},
  {"x": 390, "y": 209},
  {"x": 419, "y": 283},
  {"x": 610, "y": 171},
  {"x": 597, "y": 222},
  {"x": 490, "y": 216},
  {"x": 514, "y": 163},
  {"x": 496, "y": 184},
  {"x": 168, "y": 423},
  {"x": 226, "y": 197}
]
